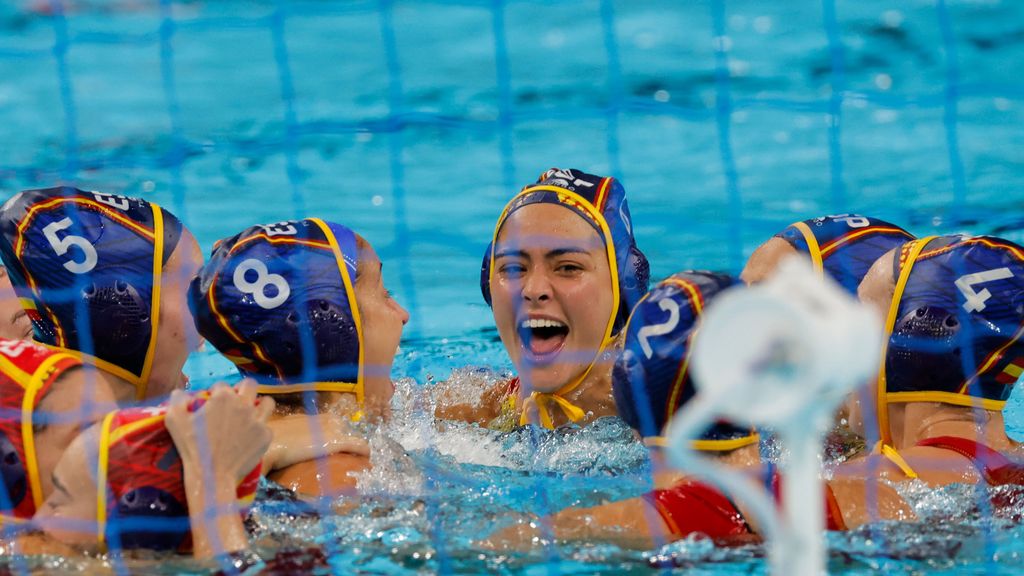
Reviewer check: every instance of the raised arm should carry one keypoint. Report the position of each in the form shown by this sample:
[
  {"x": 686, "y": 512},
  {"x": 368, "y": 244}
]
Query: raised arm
[{"x": 219, "y": 444}]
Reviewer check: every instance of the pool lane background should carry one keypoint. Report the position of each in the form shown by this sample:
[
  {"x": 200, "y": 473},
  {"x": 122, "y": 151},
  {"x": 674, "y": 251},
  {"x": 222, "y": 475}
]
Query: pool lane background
[{"x": 413, "y": 122}]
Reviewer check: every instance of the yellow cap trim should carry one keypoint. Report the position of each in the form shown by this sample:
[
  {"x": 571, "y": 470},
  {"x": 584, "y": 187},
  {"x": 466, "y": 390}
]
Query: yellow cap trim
[
  {"x": 136, "y": 425},
  {"x": 709, "y": 445},
  {"x": 101, "y": 477},
  {"x": 812, "y": 246},
  {"x": 539, "y": 397},
  {"x": 894, "y": 457},
  {"x": 890, "y": 322},
  {"x": 100, "y": 363},
  {"x": 12, "y": 370},
  {"x": 27, "y": 436},
  {"x": 271, "y": 389},
  {"x": 350, "y": 292},
  {"x": 1013, "y": 370},
  {"x": 154, "y": 304},
  {"x": 947, "y": 398}
]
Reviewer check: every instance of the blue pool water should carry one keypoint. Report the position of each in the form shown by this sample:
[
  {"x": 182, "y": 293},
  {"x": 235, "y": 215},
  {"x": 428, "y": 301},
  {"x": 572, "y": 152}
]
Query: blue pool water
[{"x": 413, "y": 122}]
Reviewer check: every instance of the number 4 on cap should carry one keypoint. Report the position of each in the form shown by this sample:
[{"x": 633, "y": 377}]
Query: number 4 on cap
[{"x": 976, "y": 300}]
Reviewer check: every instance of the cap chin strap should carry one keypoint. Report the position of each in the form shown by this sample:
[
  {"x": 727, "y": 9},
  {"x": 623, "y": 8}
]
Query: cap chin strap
[
  {"x": 544, "y": 400},
  {"x": 882, "y": 404}
]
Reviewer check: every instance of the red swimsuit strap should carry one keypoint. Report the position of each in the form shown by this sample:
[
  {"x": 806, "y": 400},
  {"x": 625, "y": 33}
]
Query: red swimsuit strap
[{"x": 993, "y": 465}]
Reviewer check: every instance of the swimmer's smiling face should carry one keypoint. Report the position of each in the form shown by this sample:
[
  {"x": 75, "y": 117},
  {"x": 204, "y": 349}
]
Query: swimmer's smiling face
[{"x": 551, "y": 293}]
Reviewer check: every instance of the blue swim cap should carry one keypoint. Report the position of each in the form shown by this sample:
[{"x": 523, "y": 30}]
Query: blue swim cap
[
  {"x": 651, "y": 379},
  {"x": 80, "y": 260},
  {"x": 955, "y": 324},
  {"x": 279, "y": 301},
  {"x": 844, "y": 246},
  {"x": 601, "y": 202}
]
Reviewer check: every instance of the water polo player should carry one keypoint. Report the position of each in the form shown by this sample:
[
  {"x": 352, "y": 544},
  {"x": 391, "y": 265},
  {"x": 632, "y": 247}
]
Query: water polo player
[
  {"x": 105, "y": 276},
  {"x": 652, "y": 382},
  {"x": 173, "y": 477},
  {"x": 843, "y": 246},
  {"x": 46, "y": 397},
  {"x": 301, "y": 307},
  {"x": 953, "y": 308},
  {"x": 561, "y": 275}
]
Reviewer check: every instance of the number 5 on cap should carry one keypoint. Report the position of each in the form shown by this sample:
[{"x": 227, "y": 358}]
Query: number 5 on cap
[{"x": 62, "y": 245}]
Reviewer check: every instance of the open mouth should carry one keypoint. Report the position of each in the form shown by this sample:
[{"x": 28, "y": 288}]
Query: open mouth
[{"x": 542, "y": 338}]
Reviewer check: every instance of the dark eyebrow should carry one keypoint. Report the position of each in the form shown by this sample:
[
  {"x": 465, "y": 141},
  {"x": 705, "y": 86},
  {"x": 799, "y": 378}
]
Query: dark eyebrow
[
  {"x": 563, "y": 251},
  {"x": 553, "y": 253},
  {"x": 510, "y": 253},
  {"x": 17, "y": 315},
  {"x": 57, "y": 485}
]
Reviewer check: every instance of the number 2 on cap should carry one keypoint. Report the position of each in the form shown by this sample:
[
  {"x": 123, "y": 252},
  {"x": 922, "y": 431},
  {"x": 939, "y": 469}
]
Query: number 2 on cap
[
  {"x": 668, "y": 305},
  {"x": 62, "y": 245},
  {"x": 258, "y": 289}
]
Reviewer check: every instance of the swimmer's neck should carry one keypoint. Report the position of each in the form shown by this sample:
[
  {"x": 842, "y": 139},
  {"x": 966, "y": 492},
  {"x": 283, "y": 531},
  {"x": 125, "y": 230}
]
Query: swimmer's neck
[
  {"x": 593, "y": 395},
  {"x": 125, "y": 393},
  {"x": 913, "y": 422}
]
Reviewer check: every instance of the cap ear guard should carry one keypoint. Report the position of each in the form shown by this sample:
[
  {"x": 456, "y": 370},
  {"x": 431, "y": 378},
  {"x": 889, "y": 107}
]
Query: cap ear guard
[
  {"x": 118, "y": 310},
  {"x": 635, "y": 278},
  {"x": 333, "y": 333},
  {"x": 15, "y": 477},
  {"x": 147, "y": 517},
  {"x": 924, "y": 347}
]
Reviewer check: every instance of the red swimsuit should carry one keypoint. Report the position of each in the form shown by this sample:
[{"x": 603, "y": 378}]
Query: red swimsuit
[{"x": 691, "y": 507}]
